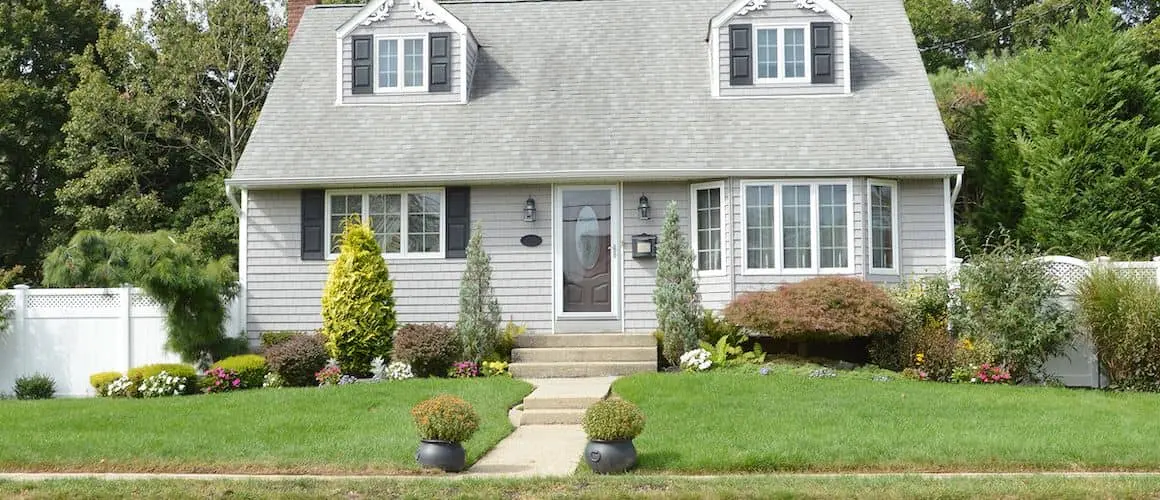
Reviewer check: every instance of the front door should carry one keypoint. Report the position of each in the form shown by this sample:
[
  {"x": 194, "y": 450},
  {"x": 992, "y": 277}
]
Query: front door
[{"x": 586, "y": 249}]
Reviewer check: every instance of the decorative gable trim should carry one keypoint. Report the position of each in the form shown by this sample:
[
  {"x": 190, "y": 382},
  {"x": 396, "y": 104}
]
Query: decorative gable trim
[
  {"x": 743, "y": 7},
  {"x": 378, "y": 10}
]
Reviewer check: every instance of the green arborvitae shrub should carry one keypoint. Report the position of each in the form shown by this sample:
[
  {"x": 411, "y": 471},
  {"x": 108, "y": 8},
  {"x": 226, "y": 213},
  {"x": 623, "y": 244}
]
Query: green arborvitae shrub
[
  {"x": 298, "y": 359},
  {"x": 36, "y": 386},
  {"x": 479, "y": 312},
  {"x": 827, "y": 309},
  {"x": 251, "y": 368},
  {"x": 140, "y": 373},
  {"x": 273, "y": 338},
  {"x": 428, "y": 348},
  {"x": 1009, "y": 298},
  {"x": 445, "y": 418},
  {"x": 1121, "y": 315},
  {"x": 100, "y": 381},
  {"x": 677, "y": 302},
  {"x": 192, "y": 290},
  {"x": 612, "y": 420},
  {"x": 358, "y": 304}
]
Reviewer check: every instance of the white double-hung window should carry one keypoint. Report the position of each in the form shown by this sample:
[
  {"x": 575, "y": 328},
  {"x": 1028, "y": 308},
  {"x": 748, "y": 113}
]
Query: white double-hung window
[
  {"x": 401, "y": 63},
  {"x": 781, "y": 54},
  {"x": 798, "y": 226},
  {"x": 883, "y": 205},
  {"x": 406, "y": 223},
  {"x": 708, "y": 210}
]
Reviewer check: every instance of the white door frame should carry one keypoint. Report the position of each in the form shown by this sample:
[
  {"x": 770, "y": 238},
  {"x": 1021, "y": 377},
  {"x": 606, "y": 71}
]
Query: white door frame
[{"x": 558, "y": 252}]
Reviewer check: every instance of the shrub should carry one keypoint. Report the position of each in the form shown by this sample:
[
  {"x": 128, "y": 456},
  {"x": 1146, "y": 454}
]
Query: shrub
[
  {"x": 121, "y": 388},
  {"x": 185, "y": 372},
  {"x": 827, "y": 309},
  {"x": 251, "y": 368},
  {"x": 922, "y": 311},
  {"x": 696, "y": 360},
  {"x": 271, "y": 339},
  {"x": 397, "y": 371},
  {"x": 464, "y": 369},
  {"x": 162, "y": 384},
  {"x": 100, "y": 381},
  {"x": 297, "y": 359},
  {"x": 358, "y": 305},
  {"x": 428, "y": 348},
  {"x": 479, "y": 312},
  {"x": 1121, "y": 316},
  {"x": 273, "y": 381},
  {"x": 677, "y": 303},
  {"x": 507, "y": 340},
  {"x": 613, "y": 419},
  {"x": 1008, "y": 297},
  {"x": 714, "y": 326},
  {"x": 445, "y": 418},
  {"x": 37, "y": 386},
  {"x": 495, "y": 369},
  {"x": 221, "y": 380}
]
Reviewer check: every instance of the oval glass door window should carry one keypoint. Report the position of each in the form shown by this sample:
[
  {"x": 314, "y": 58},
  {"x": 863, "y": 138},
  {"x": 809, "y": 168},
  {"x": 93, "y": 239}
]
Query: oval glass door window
[{"x": 587, "y": 237}]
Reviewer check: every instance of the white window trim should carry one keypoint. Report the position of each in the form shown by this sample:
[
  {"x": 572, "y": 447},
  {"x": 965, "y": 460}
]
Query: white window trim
[
  {"x": 403, "y": 254},
  {"x": 893, "y": 185},
  {"x": 725, "y": 234},
  {"x": 402, "y": 64},
  {"x": 781, "y": 78},
  {"x": 815, "y": 231}
]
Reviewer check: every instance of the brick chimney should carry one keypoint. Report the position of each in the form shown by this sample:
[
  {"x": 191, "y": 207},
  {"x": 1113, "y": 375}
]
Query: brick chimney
[{"x": 294, "y": 10}]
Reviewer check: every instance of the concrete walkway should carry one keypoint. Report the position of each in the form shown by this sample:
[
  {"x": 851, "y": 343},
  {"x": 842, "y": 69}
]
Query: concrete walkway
[{"x": 546, "y": 450}]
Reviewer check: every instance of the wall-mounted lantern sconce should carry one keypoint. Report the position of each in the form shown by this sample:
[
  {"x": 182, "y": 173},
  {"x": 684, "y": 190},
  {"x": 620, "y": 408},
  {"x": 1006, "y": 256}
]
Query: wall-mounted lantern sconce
[
  {"x": 644, "y": 246},
  {"x": 643, "y": 207},
  {"x": 530, "y": 210}
]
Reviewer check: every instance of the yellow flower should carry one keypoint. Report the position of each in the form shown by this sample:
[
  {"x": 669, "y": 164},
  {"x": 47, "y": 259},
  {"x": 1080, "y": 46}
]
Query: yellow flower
[
  {"x": 919, "y": 358},
  {"x": 968, "y": 345}
]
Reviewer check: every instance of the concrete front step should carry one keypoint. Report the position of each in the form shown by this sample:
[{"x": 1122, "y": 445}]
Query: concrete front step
[
  {"x": 559, "y": 403},
  {"x": 552, "y": 417},
  {"x": 587, "y": 340},
  {"x": 577, "y": 354},
  {"x": 580, "y": 369}
]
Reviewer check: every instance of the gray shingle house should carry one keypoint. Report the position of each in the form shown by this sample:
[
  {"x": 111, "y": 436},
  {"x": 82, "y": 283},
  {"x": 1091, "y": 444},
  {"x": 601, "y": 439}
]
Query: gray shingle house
[{"x": 797, "y": 137}]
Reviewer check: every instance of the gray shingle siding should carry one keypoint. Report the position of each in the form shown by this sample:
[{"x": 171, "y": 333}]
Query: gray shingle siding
[{"x": 778, "y": 14}]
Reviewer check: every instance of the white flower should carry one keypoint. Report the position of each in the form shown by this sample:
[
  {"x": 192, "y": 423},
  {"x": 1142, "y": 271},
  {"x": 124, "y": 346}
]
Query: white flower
[
  {"x": 398, "y": 371},
  {"x": 696, "y": 360}
]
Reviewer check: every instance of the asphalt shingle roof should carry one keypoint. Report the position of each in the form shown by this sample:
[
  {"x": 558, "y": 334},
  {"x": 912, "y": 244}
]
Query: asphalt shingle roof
[{"x": 617, "y": 88}]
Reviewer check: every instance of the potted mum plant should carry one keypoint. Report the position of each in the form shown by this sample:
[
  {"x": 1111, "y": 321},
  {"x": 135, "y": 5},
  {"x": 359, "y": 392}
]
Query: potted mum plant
[
  {"x": 444, "y": 422},
  {"x": 611, "y": 426}
]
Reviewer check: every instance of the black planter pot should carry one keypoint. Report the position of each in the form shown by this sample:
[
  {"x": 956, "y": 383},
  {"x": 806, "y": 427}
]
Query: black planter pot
[
  {"x": 610, "y": 457},
  {"x": 445, "y": 455}
]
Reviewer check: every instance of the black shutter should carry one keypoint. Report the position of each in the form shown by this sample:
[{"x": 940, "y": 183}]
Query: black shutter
[
  {"x": 458, "y": 224},
  {"x": 439, "y": 78},
  {"x": 361, "y": 64},
  {"x": 313, "y": 218},
  {"x": 740, "y": 54},
  {"x": 822, "y": 37}
]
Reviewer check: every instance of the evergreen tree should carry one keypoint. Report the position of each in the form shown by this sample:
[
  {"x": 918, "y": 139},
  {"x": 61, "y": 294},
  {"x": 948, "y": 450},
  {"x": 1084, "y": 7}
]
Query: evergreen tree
[
  {"x": 678, "y": 304},
  {"x": 358, "y": 304},
  {"x": 479, "y": 313}
]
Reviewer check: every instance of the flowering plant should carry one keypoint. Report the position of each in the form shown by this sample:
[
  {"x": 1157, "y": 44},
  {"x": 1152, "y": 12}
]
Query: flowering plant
[
  {"x": 992, "y": 374},
  {"x": 696, "y": 360},
  {"x": 162, "y": 384},
  {"x": 347, "y": 379},
  {"x": 221, "y": 380},
  {"x": 464, "y": 369},
  {"x": 329, "y": 375},
  {"x": 915, "y": 374},
  {"x": 273, "y": 380},
  {"x": 495, "y": 369},
  {"x": 397, "y": 371},
  {"x": 120, "y": 388}
]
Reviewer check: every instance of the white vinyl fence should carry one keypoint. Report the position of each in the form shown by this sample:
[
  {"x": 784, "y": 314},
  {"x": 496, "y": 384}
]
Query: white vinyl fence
[
  {"x": 69, "y": 334},
  {"x": 1079, "y": 366}
]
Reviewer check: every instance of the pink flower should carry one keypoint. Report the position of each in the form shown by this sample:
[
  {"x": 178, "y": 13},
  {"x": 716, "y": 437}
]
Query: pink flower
[{"x": 237, "y": 382}]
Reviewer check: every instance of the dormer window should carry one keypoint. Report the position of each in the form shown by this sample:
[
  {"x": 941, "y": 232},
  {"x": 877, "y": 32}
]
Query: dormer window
[
  {"x": 411, "y": 52},
  {"x": 781, "y": 55}
]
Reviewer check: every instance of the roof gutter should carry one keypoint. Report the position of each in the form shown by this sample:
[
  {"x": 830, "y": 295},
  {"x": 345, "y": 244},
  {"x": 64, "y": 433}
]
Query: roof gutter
[
  {"x": 230, "y": 196},
  {"x": 958, "y": 186},
  {"x": 556, "y": 176}
]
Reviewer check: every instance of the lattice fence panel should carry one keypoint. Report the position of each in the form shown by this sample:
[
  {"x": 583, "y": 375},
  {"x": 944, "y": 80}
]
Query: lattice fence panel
[
  {"x": 1068, "y": 274},
  {"x": 143, "y": 300},
  {"x": 74, "y": 301}
]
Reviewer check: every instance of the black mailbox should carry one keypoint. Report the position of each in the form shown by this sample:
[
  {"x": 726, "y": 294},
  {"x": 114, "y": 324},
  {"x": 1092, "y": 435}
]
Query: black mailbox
[{"x": 644, "y": 246}]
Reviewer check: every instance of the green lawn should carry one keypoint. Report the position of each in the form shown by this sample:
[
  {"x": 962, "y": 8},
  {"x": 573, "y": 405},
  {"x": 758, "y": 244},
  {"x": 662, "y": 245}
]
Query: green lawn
[
  {"x": 895, "y": 487},
  {"x": 739, "y": 421},
  {"x": 350, "y": 429}
]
